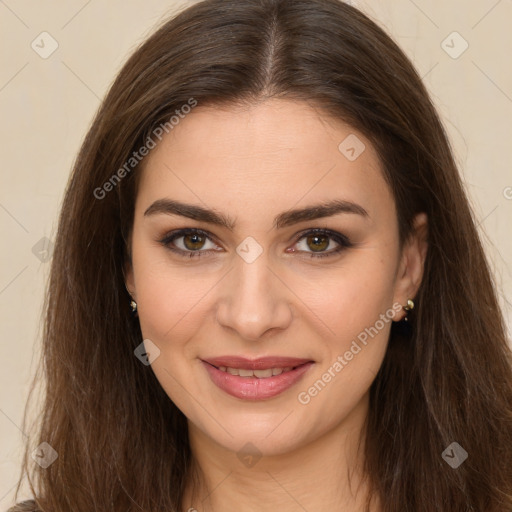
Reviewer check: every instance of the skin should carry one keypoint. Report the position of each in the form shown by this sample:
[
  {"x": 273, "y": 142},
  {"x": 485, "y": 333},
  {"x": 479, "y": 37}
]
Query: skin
[{"x": 252, "y": 164}]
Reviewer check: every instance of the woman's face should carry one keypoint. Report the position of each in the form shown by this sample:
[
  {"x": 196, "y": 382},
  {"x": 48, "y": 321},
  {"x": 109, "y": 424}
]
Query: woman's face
[{"x": 252, "y": 280}]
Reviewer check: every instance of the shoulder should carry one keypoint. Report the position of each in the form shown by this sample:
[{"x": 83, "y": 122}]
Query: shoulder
[{"x": 24, "y": 506}]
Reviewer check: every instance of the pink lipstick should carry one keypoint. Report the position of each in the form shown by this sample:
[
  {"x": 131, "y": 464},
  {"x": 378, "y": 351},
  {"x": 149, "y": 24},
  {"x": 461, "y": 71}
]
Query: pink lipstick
[{"x": 255, "y": 379}]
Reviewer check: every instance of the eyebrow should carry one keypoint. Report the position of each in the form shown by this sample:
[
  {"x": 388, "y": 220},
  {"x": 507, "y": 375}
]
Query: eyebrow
[{"x": 284, "y": 219}]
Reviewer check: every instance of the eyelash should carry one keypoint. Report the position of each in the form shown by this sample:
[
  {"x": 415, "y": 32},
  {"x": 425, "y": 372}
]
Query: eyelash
[{"x": 342, "y": 240}]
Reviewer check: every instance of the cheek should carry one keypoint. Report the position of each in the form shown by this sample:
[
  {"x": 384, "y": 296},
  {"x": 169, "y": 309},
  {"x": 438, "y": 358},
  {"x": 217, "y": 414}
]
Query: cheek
[
  {"x": 339, "y": 301},
  {"x": 357, "y": 308},
  {"x": 361, "y": 320},
  {"x": 352, "y": 297},
  {"x": 171, "y": 308},
  {"x": 169, "y": 297}
]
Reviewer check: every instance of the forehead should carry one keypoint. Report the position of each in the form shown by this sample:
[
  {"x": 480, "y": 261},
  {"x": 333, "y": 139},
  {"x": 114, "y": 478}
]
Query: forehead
[{"x": 259, "y": 157}]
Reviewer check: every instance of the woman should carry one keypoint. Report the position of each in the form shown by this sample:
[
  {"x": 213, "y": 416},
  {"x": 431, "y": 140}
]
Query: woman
[{"x": 267, "y": 287}]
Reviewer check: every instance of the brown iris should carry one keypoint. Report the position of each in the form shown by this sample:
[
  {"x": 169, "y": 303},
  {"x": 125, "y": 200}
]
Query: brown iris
[
  {"x": 320, "y": 242},
  {"x": 196, "y": 241}
]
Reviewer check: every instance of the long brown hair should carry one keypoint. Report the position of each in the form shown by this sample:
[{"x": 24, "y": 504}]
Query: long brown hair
[{"x": 122, "y": 444}]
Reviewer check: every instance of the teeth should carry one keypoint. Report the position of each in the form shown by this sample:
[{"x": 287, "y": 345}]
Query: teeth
[{"x": 260, "y": 374}]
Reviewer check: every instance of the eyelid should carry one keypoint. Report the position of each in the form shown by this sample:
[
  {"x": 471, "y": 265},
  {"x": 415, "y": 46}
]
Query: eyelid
[
  {"x": 178, "y": 233},
  {"x": 322, "y": 231},
  {"x": 342, "y": 240}
]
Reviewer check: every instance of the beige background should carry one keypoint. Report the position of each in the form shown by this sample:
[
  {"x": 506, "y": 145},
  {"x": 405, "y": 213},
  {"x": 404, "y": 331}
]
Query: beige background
[{"x": 46, "y": 105}]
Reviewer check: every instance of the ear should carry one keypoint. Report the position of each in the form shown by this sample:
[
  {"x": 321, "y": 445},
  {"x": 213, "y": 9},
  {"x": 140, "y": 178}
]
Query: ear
[
  {"x": 412, "y": 262},
  {"x": 129, "y": 279}
]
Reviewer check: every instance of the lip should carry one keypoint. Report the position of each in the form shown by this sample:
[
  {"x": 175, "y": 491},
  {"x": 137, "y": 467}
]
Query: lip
[
  {"x": 261, "y": 363},
  {"x": 253, "y": 388}
]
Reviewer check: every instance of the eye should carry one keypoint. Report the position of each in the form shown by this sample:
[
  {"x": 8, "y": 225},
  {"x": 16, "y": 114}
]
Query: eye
[
  {"x": 318, "y": 240},
  {"x": 191, "y": 242}
]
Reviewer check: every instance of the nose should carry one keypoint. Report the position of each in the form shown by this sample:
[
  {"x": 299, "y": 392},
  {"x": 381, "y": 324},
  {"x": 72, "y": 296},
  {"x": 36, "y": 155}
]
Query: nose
[{"x": 253, "y": 300}]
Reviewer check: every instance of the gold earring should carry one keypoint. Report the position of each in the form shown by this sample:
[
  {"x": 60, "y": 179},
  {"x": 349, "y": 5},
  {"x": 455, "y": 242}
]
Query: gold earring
[
  {"x": 133, "y": 305},
  {"x": 409, "y": 307}
]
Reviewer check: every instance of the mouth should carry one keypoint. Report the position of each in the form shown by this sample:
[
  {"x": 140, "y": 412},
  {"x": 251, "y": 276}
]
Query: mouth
[
  {"x": 258, "y": 379},
  {"x": 260, "y": 374}
]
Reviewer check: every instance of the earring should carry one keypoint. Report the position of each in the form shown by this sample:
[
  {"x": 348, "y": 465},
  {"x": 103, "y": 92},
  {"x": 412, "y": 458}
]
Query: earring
[
  {"x": 407, "y": 308},
  {"x": 404, "y": 327},
  {"x": 133, "y": 305}
]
